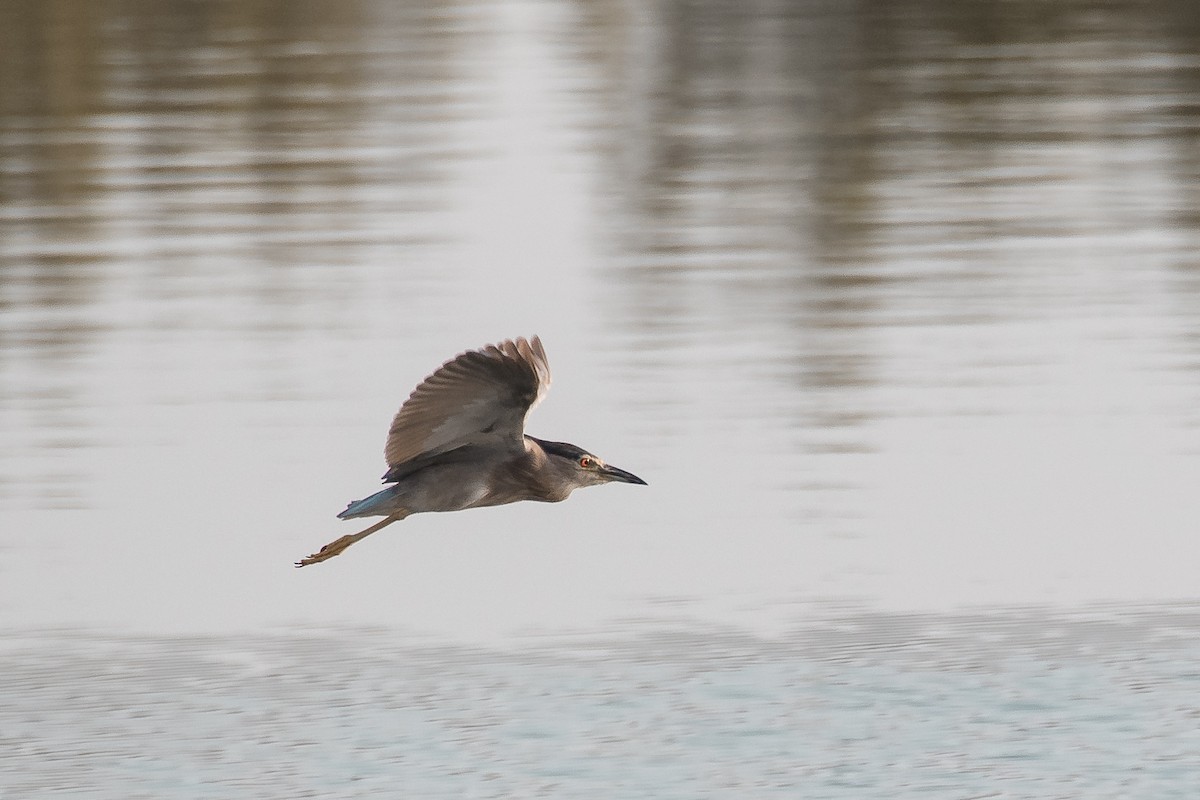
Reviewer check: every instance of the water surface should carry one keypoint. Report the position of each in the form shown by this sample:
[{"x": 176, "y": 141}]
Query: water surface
[
  {"x": 894, "y": 305},
  {"x": 1004, "y": 705}
]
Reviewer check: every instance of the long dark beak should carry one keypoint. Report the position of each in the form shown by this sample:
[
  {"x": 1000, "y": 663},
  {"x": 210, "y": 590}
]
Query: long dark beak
[{"x": 615, "y": 474}]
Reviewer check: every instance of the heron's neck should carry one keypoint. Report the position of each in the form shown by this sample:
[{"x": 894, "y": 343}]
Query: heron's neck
[{"x": 550, "y": 477}]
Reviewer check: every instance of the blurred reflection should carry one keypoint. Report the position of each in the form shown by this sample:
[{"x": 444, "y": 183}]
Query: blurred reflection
[
  {"x": 174, "y": 168},
  {"x": 865, "y": 282},
  {"x": 825, "y": 175}
]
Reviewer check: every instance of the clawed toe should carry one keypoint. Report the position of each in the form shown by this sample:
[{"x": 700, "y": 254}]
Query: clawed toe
[{"x": 328, "y": 551}]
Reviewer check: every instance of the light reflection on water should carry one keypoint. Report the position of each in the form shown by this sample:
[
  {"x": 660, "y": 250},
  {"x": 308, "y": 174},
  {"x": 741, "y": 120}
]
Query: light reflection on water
[{"x": 893, "y": 303}]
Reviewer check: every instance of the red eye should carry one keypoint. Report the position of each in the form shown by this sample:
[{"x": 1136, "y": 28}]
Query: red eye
[{"x": 585, "y": 462}]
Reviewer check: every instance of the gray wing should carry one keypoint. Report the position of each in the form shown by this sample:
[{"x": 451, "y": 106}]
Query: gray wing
[{"x": 480, "y": 397}]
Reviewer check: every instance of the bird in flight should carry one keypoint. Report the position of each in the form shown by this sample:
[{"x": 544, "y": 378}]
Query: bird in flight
[{"x": 459, "y": 442}]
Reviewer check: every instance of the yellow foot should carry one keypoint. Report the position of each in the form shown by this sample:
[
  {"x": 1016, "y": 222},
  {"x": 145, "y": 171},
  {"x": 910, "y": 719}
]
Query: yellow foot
[
  {"x": 330, "y": 550},
  {"x": 336, "y": 547}
]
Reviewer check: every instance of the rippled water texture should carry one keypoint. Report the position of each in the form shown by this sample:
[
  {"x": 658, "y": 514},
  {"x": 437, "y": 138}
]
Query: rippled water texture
[
  {"x": 1006, "y": 705},
  {"x": 896, "y": 306}
]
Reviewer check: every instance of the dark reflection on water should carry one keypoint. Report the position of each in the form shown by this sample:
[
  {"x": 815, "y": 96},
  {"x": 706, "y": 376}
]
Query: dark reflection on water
[
  {"x": 817, "y": 180},
  {"x": 1019, "y": 703},
  {"x": 174, "y": 168},
  {"x": 891, "y": 300}
]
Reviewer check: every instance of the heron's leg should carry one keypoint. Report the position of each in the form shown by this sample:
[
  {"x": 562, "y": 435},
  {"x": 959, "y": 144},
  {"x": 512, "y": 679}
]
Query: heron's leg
[{"x": 336, "y": 547}]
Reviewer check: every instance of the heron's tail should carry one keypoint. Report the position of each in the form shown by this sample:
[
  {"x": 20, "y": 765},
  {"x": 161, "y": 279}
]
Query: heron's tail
[{"x": 377, "y": 505}]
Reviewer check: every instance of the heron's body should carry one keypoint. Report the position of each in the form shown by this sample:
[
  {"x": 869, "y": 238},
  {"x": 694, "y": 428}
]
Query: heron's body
[
  {"x": 471, "y": 477},
  {"x": 458, "y": 442}
]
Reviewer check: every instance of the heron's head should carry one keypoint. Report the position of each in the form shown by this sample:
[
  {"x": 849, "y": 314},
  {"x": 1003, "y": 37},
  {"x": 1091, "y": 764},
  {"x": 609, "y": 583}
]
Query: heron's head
[{"x": 582, "y": 468}]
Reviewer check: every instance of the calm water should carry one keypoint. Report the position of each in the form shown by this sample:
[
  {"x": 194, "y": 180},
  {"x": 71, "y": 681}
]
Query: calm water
[{"x": 895, "y": 305}]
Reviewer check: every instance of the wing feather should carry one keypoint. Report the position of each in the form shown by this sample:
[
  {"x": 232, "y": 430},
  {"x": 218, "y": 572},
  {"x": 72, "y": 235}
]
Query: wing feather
[{"x": 479, "y": 397}]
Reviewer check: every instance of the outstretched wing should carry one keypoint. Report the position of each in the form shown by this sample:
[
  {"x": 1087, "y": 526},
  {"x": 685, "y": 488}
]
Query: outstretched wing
[{"x": 480, "y": 397}]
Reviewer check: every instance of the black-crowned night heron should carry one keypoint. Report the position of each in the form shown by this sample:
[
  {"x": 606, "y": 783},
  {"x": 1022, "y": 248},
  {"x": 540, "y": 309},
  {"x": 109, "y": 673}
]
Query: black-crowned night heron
[{"x": 459, "y": 442}]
